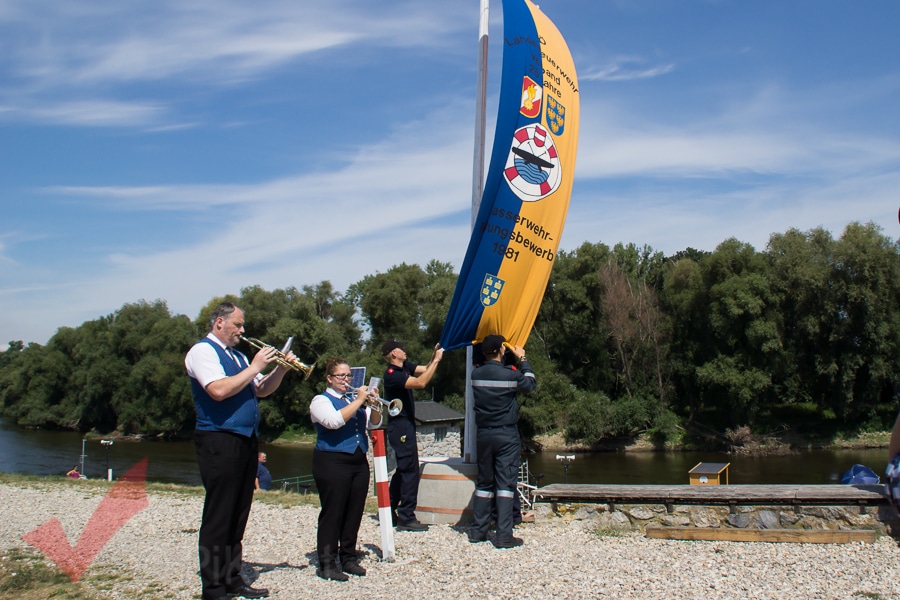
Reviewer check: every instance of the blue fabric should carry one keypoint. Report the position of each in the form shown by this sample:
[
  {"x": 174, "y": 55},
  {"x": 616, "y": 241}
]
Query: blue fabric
[
  {"x": 893, "y": 481},
  {"x": 860, "y": 475},
  {"x": 345, "y": 439},
  {"x": 521, "y": 56},
  {"x": 237, "y": 414}
]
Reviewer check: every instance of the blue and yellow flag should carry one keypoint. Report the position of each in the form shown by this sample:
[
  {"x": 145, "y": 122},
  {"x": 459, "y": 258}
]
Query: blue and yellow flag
[{"x": 529, "y": 183}]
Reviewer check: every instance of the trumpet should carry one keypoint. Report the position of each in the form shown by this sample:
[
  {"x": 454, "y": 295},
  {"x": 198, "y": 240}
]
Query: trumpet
[
  {"x": 375, "y": 402},
  {"x": 281, "y": 358}
]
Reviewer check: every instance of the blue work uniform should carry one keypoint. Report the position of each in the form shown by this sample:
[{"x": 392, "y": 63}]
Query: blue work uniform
[{"x": 494, "y": 387}]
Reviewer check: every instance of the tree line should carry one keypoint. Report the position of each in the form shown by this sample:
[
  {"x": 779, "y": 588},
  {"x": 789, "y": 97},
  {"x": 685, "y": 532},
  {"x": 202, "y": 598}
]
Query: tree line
[{"x": 802, "y": 336}]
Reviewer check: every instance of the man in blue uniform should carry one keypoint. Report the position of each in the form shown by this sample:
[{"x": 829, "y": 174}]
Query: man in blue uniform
[
  {"x": 400, "y": 379},
  {"x": 494, "y": 387},
  {"x": 225, "y": 386}
]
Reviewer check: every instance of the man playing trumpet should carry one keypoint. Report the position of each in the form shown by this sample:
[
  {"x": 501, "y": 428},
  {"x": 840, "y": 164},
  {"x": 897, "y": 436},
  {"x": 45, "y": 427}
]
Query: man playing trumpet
[{"x": 225, "y": 386}]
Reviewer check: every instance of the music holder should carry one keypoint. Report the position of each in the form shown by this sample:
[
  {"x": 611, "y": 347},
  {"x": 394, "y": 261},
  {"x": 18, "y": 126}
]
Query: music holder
[{"x": 357, "y": 377}]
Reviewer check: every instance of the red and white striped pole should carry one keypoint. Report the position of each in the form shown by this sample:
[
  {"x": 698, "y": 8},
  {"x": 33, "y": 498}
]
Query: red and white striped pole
[{"x": 379, "y": 452}]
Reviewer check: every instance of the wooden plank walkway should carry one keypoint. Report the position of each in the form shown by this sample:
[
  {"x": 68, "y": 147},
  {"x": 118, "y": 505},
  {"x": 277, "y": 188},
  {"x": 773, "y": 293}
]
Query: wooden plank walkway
[
  {"x": 835, "y": 495},
  {"x": 803, "y": 536}
]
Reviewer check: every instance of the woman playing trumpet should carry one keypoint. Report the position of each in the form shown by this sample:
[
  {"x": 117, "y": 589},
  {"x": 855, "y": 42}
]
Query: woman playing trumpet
[{"x": 341, "y": 470}]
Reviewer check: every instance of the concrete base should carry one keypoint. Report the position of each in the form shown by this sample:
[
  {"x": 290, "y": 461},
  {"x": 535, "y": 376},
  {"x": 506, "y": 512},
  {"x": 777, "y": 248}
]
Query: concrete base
[{"x": 446, "y": 487}]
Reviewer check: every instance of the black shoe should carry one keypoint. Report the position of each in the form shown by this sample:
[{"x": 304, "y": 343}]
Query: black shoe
[
  {"x": 245, "y": 591},
  {"x": 513, "y": 542},
  {"x": 476, "y": 538},
  {"x": 332, "y": 574},
  {"x": 353, "y": 568},
  {"x": 413, "y": 525}
]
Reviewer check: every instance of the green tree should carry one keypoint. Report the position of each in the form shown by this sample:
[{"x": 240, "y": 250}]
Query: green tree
[
  {"x": 743, "y": 318},
  {"x": 409, "y": 304},
  {"x": 864, "y": 323},
  {"x": 570, "y": 330}
]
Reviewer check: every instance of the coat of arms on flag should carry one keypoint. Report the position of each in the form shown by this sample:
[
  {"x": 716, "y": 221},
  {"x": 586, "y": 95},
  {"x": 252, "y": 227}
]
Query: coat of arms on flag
[
  {"x": 556, "y": 116},
  {"x": 490, "y": 289},
  {"x": 531, "y": 97}
]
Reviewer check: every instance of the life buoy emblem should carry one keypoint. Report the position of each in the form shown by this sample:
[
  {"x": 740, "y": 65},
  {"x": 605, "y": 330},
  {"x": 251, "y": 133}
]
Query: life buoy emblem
[{"x": 532, "y": 168}]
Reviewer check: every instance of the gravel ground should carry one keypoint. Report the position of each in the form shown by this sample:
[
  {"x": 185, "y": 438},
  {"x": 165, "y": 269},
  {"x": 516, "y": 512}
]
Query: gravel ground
[{"x": 154, "y": 556}]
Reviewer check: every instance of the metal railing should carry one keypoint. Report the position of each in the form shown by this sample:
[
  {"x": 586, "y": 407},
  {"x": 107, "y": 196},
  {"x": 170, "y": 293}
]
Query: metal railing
[
  {"x": 525, "y": 486},
  {"x": 301, "y": 484}
]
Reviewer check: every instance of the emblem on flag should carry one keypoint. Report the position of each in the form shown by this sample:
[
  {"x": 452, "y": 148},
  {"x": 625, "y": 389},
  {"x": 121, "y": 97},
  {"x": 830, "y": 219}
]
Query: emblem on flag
[
  {"x": 490, "y": 289},
  {"x": 556, "y": 116},
  {"x": 532, "y": 167},
  {"x": 531, "y": 97}
]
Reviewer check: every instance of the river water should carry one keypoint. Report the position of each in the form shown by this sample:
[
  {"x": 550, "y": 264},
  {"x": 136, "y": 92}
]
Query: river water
[{"x": 43, "y": 452}]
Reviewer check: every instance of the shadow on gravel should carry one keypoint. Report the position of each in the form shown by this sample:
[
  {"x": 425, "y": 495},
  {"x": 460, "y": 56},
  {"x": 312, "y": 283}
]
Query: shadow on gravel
[{"x": 251, "y": 571}]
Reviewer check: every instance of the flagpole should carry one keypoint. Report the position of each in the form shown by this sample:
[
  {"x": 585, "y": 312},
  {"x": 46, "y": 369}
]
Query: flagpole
[{"x": 469, "y": 449}]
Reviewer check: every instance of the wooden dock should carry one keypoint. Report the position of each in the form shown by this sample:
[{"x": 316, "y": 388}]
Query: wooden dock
[
  {"x": 723, "y": 534},
  {"x": 728, "y": 495}
]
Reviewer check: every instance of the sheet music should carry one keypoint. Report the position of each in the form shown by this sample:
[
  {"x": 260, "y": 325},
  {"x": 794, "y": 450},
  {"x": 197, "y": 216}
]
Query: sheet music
[{"x": 358, "y": 377}]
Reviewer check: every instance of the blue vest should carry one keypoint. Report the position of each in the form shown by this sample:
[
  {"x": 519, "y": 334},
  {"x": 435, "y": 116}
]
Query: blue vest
[
  {"x": 347, "y": 438},
  {"x": 237, "y": 414}
]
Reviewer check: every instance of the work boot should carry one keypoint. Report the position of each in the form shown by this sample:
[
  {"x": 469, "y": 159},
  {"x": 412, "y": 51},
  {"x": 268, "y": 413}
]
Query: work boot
[
  {"x": 413, "y": 525},
  {"x": 332, "y": 573},
  {"x": 476, "y": 537},
  {"x": 512, "y": 542}
]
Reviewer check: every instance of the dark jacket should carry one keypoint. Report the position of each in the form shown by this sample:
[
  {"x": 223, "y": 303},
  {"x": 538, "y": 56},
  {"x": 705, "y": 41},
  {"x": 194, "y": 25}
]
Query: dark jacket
[{"x": 494, "y": 387}]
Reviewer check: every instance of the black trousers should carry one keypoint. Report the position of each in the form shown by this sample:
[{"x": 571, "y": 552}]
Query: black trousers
[
  {"x": 343, "y": 483},
  {"x": 227, "y": 464},
  {"x": 404, "y": 486},
  {"x": 499, "y": 451}
]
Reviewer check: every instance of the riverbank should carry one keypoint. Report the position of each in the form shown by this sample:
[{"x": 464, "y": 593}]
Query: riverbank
[
  {"x": 154, "y": 556},
  {"x": 740, "y": 442}
]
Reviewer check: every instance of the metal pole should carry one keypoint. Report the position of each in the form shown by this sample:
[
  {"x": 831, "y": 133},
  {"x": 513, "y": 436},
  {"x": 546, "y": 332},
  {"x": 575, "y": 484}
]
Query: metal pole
[
  {"x": 106, "y": 444},
  {"x": 469, "y": 452},
  {"x": 385, "y": 524},
  {"x": 566, "y": 460},
  {"x": 83, "y": 455}
]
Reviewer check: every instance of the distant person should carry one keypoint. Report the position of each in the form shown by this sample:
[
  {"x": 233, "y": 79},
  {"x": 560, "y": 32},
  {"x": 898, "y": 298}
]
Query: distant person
[
  {"x": 225, "y": 386},
  {"x": 341, "y": 470},
  {"x": 73, "y": 473},
  {"x": 892, "y": 471},
  {"x": 263, "y": 477},
  {"x": 400, "y": 379},
  {"x": 894, "y": 443},
  {"x": 496, "y": 406}
]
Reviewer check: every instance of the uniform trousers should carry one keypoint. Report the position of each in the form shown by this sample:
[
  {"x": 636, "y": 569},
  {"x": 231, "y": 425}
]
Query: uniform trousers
[
  {"x": 343, "y": 483},
  {"x": 404, "y": 486},
  {"x": 499, "y": 452},
  {"x": 227, "y": 463}
]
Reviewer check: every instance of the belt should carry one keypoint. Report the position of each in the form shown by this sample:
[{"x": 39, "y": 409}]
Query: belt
[{"x": 498, "y": 426}]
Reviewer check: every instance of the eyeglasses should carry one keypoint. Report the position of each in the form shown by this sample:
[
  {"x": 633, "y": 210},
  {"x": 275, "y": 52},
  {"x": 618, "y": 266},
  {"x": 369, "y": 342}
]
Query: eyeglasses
[{"x": 343, "y": 376}]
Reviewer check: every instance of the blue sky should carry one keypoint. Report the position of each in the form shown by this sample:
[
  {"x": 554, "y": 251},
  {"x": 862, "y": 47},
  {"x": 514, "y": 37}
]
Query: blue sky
[{"x": 184, "y": 149}]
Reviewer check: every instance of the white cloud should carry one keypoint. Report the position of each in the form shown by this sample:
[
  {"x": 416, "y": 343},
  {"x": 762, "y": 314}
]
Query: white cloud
[
  {"x": 625, "y": 68},
  {"x": 93, "y": 113}
]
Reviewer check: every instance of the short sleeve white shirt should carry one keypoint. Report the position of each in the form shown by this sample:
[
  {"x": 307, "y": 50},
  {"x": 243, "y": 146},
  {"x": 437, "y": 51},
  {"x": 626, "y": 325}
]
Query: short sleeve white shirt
[
  {"x": 202, "y": 362},
  {"x": 323, "y": 412}
]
